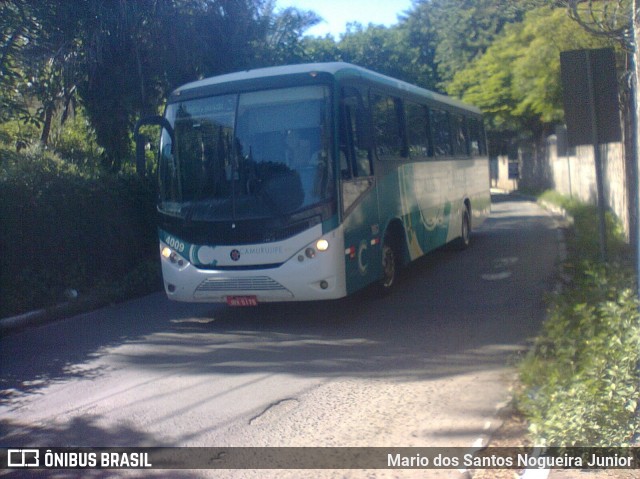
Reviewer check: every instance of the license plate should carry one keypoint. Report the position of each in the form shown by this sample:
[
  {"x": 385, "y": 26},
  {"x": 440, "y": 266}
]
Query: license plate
[{"x": 242, "y": 301}]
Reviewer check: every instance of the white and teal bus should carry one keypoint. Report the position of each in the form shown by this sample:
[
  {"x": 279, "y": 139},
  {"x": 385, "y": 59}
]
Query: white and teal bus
[{"x": 311, "y": 182}]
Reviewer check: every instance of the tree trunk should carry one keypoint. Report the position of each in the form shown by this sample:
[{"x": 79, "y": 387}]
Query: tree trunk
[{"x": 46, "y": 127}]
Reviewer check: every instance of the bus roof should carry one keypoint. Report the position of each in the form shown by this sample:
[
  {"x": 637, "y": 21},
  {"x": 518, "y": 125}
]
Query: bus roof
[{"x": 339, "y": 70}]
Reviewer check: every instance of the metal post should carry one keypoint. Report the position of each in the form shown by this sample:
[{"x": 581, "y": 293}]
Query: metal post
[{"x": 636, "y": 99}]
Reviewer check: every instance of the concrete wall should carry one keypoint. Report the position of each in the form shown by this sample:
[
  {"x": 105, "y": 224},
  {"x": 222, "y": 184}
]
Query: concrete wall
[
  {"x": 570, "y": 171},
  {"x": 574, "y": 175},
  {"x": 500, "y": 177}
]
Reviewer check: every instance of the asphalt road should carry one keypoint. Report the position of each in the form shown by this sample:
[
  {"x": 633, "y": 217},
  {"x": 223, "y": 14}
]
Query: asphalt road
[{"x": 427, "y": 366}]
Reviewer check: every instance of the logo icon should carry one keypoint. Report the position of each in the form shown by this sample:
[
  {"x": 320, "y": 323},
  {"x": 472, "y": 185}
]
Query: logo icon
[
  {"x": 235, "y": 255},
  {"x": 23, "y": 458}
]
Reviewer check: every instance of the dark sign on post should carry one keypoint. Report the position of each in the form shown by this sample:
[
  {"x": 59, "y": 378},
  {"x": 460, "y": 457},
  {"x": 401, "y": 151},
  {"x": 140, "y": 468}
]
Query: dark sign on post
[{"x": 590, "y": 92}]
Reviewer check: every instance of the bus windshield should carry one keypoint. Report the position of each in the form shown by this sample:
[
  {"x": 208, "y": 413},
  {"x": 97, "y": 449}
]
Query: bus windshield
[{"x": 247, "y": 156}]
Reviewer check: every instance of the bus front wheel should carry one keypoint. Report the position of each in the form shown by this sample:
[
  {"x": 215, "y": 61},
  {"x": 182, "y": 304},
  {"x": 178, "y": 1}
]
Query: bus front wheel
[{"x": 390, "y": 265}]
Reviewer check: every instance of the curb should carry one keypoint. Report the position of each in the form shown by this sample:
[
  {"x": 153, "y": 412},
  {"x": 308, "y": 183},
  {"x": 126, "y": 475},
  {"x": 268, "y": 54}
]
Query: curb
[
  {"x": 22, "y": 320},
  {"x": 47, "y": 315},
  {"x": 556, "y": 210}
]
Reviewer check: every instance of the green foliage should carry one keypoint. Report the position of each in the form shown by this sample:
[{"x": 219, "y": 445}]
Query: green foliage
[
  {"x": 18, "y": 133},
  {"x": 75, "y": 141},
  {"x": 64, "y": 228},
  {"x": 123, "y": 61},
  {"x": 16, "y": 26},
  {"x": 284, "y": 36},
  {"x": 582, "y": 379},
  {"x": 385, "y": 50},
  {"x": 517, "y": 81},
  {"x": 453, "y": 33},
  {"x": 583, "y": 383},
  {"x": 584, "y": 236}
]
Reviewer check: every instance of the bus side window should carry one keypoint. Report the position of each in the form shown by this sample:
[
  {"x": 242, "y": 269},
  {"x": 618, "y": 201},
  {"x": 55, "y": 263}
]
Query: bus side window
[
  {"x": 418, "y": 130},
  {"x": 355, "y": 149},
  {"x": 460, "y": 137},
  {"x": 388, "y": 125},
  {"x": 440, "y": 132},
  {"x": 476, "y": 137}
]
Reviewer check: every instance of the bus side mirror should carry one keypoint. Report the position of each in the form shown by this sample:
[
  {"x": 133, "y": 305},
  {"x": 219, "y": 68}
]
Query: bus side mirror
[{"x": 141, "y": 139}]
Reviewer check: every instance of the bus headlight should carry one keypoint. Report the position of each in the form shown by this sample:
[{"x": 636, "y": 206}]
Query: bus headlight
[
  {"x": 322, "y": 245},
  {"x": 312, "y": 251},
  {"x": 172, "y": 256}
]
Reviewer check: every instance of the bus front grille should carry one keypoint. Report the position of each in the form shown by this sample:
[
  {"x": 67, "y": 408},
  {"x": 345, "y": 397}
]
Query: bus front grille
[{"x": 250, "y": 283}]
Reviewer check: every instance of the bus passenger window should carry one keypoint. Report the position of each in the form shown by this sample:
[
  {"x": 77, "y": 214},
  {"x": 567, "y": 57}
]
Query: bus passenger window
[
  {"x": 388, "y": 128},
  {"x": 476, "y": 137},
  {"x": 459, "y": 135},
  {"x": 417, "y": 130},
  {"x": 440, "y": 133}
]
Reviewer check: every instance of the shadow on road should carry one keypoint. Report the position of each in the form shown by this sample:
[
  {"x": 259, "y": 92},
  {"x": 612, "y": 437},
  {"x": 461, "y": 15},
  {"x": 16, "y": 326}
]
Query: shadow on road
[{"x": 453, "y": 313}]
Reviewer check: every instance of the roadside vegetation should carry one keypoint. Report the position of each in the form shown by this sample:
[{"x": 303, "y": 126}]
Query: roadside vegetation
[
  {"x": 75, "y": 76},
  {"x": 78, "y": 224},
  {"x": 76, "y": 221},
  {"x": 72, "y": 232},
  {"x": 581, "y": 380}
]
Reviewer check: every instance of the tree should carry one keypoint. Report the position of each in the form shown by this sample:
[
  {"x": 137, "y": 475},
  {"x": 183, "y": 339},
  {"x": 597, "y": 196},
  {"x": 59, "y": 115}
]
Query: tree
[
  {"x": 16, "y": 27},
  {"x": 321, "y": 49},
  {"x": 50, "y": 63},
  {"x": 136, "y": 53},
  {"x": 284, "y": 36},
  {"x": 124, "y": 56},
  {"x": 453, "y": 33},
  {"x": 385, "y": 50},
  {"x": 517, "y": 81}
]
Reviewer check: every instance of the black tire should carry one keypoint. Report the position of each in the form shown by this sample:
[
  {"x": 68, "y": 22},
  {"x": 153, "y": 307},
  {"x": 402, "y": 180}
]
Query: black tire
[
  {"x": 390, "y": 265},
  {"x": 464, "y": 241}
]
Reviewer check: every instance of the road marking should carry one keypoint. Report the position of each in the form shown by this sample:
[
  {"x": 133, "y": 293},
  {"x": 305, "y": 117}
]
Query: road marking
[
  {"x": 500, "y": 269},
  {"x": 496, "y": 276}
]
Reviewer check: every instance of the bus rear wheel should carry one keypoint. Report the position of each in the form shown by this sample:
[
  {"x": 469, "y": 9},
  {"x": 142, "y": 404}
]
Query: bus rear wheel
[{"x": 465, "y": 231}]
